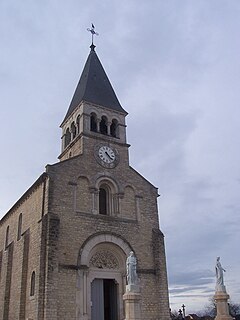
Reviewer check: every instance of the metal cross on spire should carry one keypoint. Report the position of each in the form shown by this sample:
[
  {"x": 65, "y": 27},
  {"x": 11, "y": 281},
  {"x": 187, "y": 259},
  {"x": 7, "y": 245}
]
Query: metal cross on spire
[{"x": 93, "y": 32}]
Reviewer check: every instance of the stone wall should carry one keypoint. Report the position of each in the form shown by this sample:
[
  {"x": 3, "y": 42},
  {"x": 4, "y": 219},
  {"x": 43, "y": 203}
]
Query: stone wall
[{"x": 136, "y": 222}]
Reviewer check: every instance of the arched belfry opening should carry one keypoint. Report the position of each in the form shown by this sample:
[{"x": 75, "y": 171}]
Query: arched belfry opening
[
  {"x": 67, "y": 138},
  {"x": 93, "y": 122},
  {"x": 73, "y": 130},
  {"x": 102, "y": 280},
  {"x": 114, "y": 128},
  {"x": 103, "y": 125}
]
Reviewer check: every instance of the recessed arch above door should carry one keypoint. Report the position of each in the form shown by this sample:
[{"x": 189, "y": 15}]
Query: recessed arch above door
[{"x": 102, "y": 268}]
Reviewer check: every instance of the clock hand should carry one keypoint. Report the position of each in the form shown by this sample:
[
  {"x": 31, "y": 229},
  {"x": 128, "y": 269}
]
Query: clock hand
[{"x": 108, "y": 155}]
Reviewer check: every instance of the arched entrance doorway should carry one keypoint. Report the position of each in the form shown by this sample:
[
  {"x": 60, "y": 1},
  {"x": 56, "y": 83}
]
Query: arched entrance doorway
[
  {"x": 104, "y": 298},
  {"x": 101, "y": 278}
]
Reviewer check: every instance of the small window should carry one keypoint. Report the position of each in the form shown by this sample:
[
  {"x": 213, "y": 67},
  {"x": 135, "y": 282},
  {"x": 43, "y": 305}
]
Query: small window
[
  {"x": 19, "y": 232},
  {"x": 32, "y": 287},
  {"x": 93, "y": 122},
  {"x": 103, "y": 125},
  {"x": 7, "y": 237},
  {"x": 67, "y": 138}
]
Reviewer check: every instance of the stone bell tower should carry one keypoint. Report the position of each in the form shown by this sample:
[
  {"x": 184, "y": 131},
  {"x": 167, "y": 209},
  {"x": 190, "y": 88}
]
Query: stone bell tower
[
  {"x": 105, "y": 208},
  {"x": 94, "y": 111}
]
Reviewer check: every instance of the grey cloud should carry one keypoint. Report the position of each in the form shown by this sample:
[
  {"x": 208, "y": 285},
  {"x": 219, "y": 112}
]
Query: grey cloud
[
  {"x": 199, "y": 277},
  {"x": 187, "y": 289},
  {"x": 192, "y": 296}
]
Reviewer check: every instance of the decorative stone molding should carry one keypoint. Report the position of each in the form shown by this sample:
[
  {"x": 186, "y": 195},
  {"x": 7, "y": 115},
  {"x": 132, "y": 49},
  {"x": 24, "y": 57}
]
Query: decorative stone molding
[
  {"x": 101, "y": 238},
  {"x": 104, "y": 259}
]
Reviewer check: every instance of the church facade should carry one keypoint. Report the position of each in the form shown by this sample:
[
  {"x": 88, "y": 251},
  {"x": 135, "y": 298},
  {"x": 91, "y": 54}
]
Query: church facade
[{"x": 64, "y": 243}]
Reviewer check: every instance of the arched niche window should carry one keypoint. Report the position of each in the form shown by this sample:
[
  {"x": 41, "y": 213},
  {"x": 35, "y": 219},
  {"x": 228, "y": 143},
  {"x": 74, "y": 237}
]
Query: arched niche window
[
  {"x": 107, "y": 199},
  {"x": 93, "y": 122},
  {"x": 103, "y": 125},
  {"x": 67, "y": 138},
  {"x": 73, "y": 130},
  {"x": 19, "y": 231},
  {"x": 113, "y": 128},
  {"x": 78, "y": 124},
  {"x": 32, "y": 284},
  {"x": 7, "y": 237}
]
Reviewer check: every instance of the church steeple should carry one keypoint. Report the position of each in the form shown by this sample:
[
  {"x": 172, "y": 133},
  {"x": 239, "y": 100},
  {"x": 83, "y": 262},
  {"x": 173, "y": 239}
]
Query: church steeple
[
  {"x": 94, "y": 87},
  {"x": 94, "y": 111}
]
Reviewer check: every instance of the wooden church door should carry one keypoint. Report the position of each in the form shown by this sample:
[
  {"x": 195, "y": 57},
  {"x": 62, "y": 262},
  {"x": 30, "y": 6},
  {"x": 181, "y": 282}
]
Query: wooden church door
[{"x": 104, "y": 300}]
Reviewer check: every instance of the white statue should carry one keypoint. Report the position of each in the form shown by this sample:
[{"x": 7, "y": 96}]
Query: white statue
[
  {"x": 219, "y": 274},
  {"x": 131, "y": 265}
]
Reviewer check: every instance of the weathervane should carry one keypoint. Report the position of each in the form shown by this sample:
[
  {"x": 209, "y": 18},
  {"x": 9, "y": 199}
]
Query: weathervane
[{"x": 93, "y": 32}]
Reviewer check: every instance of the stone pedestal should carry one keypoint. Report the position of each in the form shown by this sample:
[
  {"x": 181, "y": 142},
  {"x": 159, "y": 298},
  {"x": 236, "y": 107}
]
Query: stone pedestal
[
  {"x": 132, "y": 299},
  {"x": 221, "y": 298}
]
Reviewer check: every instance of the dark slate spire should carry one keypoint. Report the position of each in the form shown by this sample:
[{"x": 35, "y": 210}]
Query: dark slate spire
[{"x": 94, "y": 86}]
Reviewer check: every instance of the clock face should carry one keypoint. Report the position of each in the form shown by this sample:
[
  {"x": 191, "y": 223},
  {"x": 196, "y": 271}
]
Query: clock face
[{"x": 106, "y": 154}]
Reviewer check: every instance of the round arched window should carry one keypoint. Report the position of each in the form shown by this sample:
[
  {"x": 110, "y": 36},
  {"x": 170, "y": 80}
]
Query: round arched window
[{"x": 103, "y": 200}]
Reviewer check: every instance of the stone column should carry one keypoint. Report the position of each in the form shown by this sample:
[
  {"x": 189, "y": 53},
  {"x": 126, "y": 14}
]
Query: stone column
[
  {"x": 132, "y": 299},
  {"x": 98, "y": 124},
  {"x": 108, "y": 128},
  {"x": 221, "y": 298}
]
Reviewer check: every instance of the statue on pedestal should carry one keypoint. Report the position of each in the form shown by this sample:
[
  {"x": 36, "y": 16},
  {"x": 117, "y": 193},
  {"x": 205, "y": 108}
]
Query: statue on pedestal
[
  {"x": 131, "y": 264},
  {"x": 219, "y": 276},
  {"x": 132, "y": 297},
  {"x": 221, "y": 297}
]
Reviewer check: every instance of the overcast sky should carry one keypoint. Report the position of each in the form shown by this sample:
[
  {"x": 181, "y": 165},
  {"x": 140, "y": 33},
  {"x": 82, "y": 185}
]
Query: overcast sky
[{"x": 175, "y": 67}]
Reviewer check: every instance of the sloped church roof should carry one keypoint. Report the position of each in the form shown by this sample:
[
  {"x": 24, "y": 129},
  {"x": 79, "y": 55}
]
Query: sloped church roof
[{"x": 94, "y": 86}]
